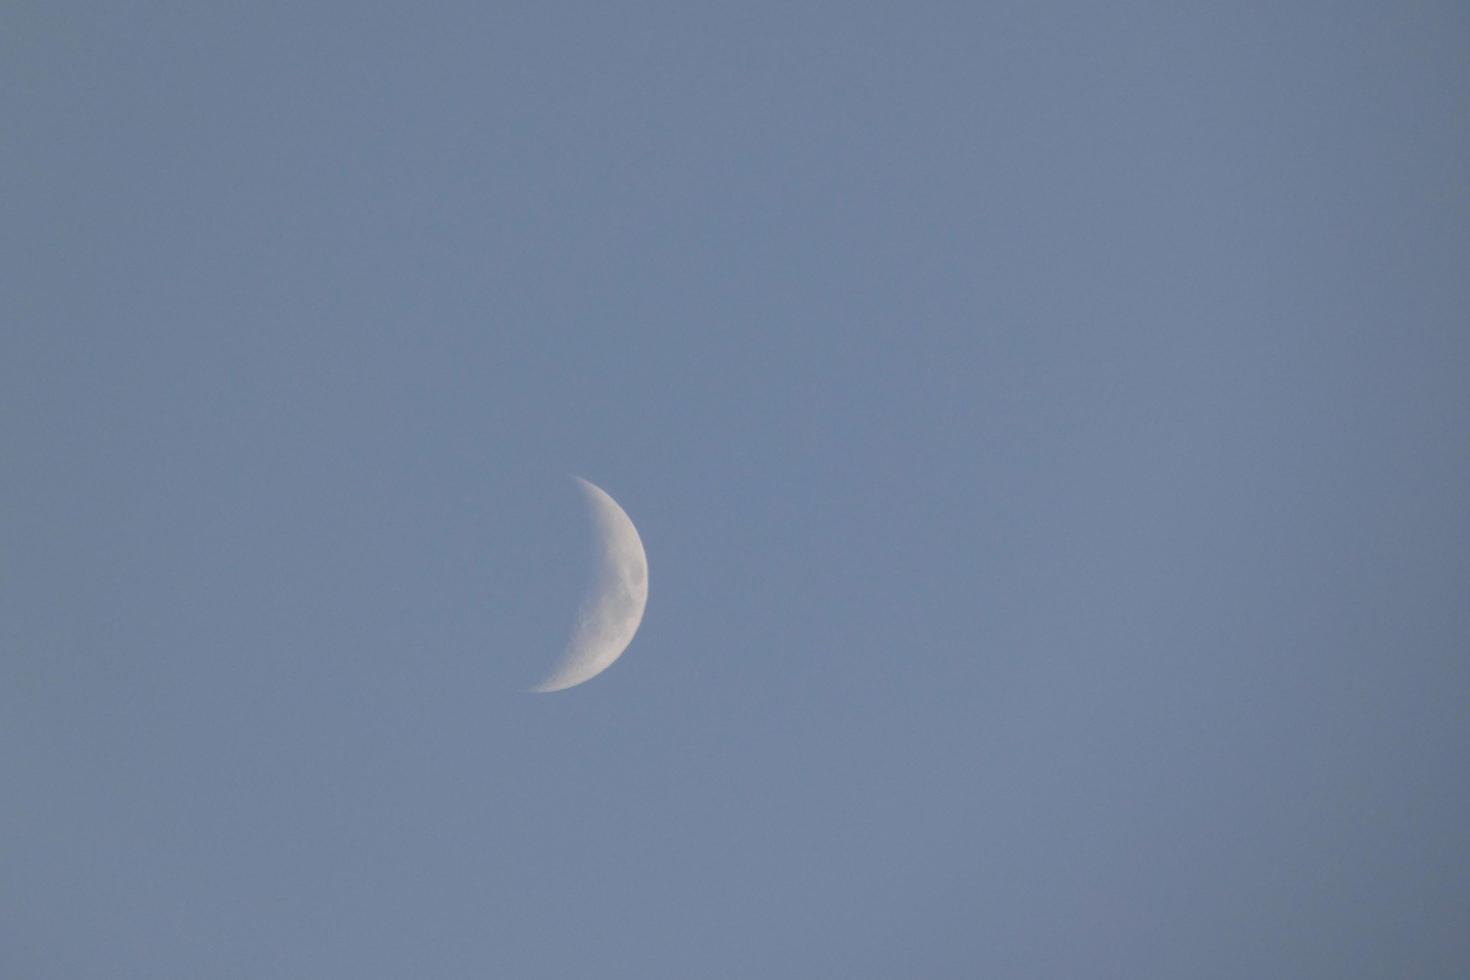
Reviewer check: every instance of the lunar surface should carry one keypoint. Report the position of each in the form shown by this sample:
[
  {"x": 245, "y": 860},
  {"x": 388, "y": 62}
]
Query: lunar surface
[{"x": 609, "y": 616}]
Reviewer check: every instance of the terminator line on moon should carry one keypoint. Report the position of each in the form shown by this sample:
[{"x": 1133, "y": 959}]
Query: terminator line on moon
[{"x": 609, "y": 616}]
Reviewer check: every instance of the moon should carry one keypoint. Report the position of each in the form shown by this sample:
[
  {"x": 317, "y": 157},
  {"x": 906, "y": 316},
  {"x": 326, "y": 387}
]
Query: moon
[{"x": 609, "y": 616}]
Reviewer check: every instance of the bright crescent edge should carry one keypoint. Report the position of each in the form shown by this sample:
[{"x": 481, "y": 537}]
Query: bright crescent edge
[{"x": 608, "y": 619}]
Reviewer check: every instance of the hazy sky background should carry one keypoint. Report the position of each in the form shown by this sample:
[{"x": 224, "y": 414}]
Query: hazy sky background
[{"x": 1047, "y": 424}]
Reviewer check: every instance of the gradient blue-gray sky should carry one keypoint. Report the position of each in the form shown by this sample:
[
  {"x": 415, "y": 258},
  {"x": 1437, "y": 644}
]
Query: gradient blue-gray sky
[{"x": 1048, "y": 426}]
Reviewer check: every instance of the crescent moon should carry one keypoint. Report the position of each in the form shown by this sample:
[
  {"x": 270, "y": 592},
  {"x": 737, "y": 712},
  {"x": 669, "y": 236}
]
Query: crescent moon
[{"x": 609, "y": 616}]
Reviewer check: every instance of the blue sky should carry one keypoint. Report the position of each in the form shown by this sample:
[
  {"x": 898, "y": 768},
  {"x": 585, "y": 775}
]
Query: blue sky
[{"x": 1046, "y": 426}]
